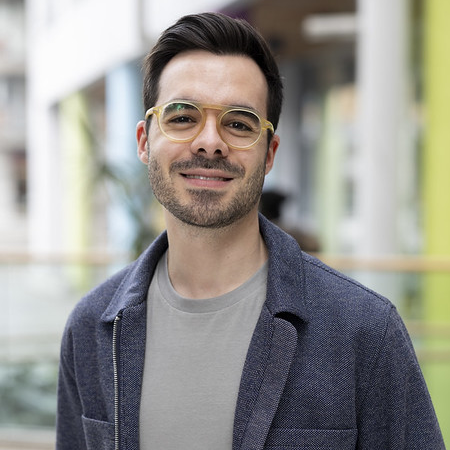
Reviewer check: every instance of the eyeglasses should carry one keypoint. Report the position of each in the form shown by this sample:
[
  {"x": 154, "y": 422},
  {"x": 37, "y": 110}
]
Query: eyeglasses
[{"x": 183, "y": 121}]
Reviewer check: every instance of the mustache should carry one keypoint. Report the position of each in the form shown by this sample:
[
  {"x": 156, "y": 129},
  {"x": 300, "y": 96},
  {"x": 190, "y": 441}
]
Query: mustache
[{"x": 200, "y": 162}]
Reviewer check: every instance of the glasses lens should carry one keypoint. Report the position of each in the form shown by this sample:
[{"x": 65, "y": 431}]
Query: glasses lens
[
  {"x": 240, "y": 128},
  {"x": 180, "y": 121}
]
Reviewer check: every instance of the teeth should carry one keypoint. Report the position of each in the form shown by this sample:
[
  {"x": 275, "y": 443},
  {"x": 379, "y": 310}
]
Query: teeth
[{"x": 199, "y": 177}]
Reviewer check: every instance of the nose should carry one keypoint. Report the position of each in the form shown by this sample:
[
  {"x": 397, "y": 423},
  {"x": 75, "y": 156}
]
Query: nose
[{"x": 209, "y": 142}]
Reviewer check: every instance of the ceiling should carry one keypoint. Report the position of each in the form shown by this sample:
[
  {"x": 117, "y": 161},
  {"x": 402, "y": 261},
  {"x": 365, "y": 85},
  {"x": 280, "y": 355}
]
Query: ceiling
[{"x": 280, "y": 21}]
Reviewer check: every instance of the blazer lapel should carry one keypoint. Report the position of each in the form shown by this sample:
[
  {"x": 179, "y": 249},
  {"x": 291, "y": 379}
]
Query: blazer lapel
[{"x": 263, "y": 379}]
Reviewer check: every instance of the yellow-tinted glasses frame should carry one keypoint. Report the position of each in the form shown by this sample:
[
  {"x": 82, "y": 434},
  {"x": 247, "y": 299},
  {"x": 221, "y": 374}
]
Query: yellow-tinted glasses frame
[{"x": 265, "y": 124}]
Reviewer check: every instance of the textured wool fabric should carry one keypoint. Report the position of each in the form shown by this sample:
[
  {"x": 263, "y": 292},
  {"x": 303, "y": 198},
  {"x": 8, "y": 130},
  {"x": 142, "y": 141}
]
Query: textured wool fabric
[{"x": 330, "y": 365}]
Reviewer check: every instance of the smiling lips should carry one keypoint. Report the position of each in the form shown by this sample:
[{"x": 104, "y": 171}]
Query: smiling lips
[
  {"x": 202, "y": 177},
  {"x": 201, "y": 172},
  {"x": 207, "y": 178}
]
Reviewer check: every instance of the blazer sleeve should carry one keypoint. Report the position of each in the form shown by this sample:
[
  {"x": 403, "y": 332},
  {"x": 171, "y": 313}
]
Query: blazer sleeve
[
  {"x": 69, "y": 427},
  {"x": 397, "y": 413}
]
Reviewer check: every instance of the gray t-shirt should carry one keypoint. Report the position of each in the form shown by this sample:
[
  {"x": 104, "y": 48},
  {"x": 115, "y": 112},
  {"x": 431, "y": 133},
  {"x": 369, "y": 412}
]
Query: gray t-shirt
[{"x": 194, "y": 357}]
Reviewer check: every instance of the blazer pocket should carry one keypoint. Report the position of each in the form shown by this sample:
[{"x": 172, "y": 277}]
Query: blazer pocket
[
  {"x": 99, "y": 435},
  {"x": 303, "y": 439}
]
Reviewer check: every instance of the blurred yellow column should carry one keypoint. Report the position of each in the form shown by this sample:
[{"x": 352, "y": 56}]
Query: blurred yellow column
[
  {"x": 436, "y": 200},
  {"x": 76, "y": 152}
]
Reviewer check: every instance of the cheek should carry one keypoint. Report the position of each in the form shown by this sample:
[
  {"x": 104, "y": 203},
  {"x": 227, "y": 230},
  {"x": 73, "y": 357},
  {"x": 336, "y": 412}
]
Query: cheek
[
  {"x": 262, "y": 163},
  {"x": 164, "y": 153}
]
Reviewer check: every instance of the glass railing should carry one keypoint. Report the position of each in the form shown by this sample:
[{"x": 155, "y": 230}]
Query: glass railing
[{"x": 38, "y": 294}]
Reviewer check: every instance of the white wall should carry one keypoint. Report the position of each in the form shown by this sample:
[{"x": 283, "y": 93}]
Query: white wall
[
  {"x": 80, "y": 44},
  {"x": 71, "y": 44}
]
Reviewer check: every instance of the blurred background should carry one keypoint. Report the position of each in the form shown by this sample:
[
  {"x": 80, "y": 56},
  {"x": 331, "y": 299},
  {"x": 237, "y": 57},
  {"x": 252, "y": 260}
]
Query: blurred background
[{"x": 362, "y": 177}]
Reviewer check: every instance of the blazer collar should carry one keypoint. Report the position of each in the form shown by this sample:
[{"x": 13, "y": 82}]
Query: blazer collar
[
  {"x": 286, "y": 277},
  {"x": 133, "y": 289}
]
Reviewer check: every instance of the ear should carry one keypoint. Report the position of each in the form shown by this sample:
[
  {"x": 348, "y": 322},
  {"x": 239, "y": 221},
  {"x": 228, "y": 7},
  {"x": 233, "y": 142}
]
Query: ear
[
  {"x": 273, "y": 147},
  {"x": 142, "y": 138}
]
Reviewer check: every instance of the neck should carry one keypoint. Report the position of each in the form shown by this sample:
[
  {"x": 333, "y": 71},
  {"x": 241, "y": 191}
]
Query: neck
[{"x": 205, "y": 263}]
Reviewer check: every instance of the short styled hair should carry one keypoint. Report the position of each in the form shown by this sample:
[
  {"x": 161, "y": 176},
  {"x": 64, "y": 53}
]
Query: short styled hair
[{"x": 220, "y": 35}]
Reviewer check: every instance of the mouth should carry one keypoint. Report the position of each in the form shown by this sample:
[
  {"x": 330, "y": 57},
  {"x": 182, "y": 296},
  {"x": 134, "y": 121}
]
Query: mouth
[
  {"x": 201, "y": 173},
  {"x": 205, "y": 178},
  {"x": 202, "y": 169}
]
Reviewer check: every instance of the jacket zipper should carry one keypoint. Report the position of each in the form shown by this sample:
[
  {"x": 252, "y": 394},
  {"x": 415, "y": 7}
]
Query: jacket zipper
[{"x": 116, "y": 381}]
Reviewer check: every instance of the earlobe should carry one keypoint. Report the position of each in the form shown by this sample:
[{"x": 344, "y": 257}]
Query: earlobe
[
  {"x": 273, "y": 147},
  {"x": 141, "y": 138}
]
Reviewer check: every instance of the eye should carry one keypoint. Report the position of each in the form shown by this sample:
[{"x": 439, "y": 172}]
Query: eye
[
  {"x": 181, "y": 119},
  {"x": 180, "y": 115},
  {"x": 239, "y": 126},
  {"x": 242, "y": 122}
]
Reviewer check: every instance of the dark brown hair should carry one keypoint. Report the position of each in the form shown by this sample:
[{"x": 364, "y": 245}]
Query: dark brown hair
[{"x": 218, "y": 34}]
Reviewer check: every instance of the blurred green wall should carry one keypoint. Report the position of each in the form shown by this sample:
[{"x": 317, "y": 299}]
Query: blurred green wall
[{"x": 436, "y": 201}]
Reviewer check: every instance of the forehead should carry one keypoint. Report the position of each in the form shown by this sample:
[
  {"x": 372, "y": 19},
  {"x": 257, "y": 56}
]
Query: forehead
[{"x": 223, "y": 79}]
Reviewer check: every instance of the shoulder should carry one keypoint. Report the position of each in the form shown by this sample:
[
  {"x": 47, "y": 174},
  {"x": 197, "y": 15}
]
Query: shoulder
[
  {"x": 346, "y": 310},
  {"x": 94, "y": 303},
  {"x": 126, "y": 288},
  {"x": 302, "y": 284},
  {"x": 332, "y": 286}
]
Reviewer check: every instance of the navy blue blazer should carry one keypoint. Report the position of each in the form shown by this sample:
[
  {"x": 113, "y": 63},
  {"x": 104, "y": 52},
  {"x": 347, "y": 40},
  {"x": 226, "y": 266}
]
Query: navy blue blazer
[{"x": 330, "y": 365}]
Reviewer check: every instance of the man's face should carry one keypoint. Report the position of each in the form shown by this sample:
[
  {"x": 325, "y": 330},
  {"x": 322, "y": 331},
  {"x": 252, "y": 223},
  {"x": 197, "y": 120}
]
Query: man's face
[{"x": 205, "y": 182}]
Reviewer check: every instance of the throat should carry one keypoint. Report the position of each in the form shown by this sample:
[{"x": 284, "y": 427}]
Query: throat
[{"x": 209, "y": 270}]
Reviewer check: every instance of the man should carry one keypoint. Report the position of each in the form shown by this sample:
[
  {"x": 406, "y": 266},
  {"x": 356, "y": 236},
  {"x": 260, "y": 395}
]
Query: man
[{"x": 223, "y": 334}]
